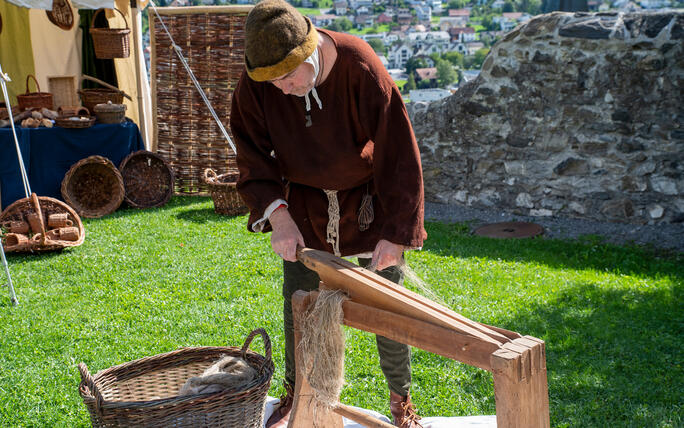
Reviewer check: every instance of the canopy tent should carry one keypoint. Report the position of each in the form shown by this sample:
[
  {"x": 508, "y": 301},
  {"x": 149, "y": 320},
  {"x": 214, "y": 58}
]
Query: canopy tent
[{"x": 31, "y": 44}]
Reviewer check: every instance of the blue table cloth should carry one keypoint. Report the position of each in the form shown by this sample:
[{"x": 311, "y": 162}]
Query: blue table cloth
[{"x": 48, "y": 154}]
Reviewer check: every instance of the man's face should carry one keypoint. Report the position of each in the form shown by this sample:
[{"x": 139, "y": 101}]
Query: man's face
[{"x": 297, "y": 82}]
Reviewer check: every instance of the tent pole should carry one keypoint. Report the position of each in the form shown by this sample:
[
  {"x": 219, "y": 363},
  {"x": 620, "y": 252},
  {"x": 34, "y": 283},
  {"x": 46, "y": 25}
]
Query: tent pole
[
  {"x": 13, "y": 297},
  {"x": 138, "y": 52}
]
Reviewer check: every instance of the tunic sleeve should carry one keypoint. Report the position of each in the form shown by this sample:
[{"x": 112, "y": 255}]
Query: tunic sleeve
[
  {"x": 260, "y": 180},
  {"x": 397, "y": 171}
]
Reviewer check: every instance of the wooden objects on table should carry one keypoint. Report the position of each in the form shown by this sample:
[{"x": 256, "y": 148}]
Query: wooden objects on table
[
  {"x": 63, "y": 90},
  {"x": 376, "y": 305}
]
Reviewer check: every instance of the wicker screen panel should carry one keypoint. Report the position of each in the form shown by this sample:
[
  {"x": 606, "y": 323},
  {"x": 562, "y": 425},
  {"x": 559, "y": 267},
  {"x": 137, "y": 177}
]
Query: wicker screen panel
[{"x": 186, "y": 134}]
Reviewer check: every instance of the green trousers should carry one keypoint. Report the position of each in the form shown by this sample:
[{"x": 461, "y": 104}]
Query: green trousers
[{"x": 395, "y": 357}]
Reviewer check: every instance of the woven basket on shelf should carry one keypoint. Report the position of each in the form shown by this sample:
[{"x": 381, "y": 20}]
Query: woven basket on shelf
[
  {"x": 144, "y": 392},
  {"x": 16, "y": 217},
  {"x": 110, "y": 42},
  {"x": 223, "y": 190},
  {"x": 95, "y": 96},
  {"x": 147, "y": 178},
  {"x": 110, "y": 113},
  {"x": 34, "y": 99},
  {"x": 75, "y": 122},
  {"x": 93, "y": 187}
]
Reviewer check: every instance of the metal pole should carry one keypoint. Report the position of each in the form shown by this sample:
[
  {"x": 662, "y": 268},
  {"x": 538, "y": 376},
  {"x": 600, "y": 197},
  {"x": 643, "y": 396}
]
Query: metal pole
[{"x": 12, "y": 296}]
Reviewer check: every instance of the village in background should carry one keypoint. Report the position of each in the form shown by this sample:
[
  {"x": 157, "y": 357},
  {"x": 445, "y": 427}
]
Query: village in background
[{"x": 430, "y": 48}]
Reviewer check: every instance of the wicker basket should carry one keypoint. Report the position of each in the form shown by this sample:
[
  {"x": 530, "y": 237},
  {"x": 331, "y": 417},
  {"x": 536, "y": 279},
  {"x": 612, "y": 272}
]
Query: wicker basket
[
  {"x": 16, "y": 217},
  {"x": 93, "y": 187},
  {"x": 147, "y": 178},
  {"x": 95, "y": 96},
  {"x": 34, "y": 99},
  {"x": 223, "y": 189},
  {"x": 61, "y": 14},
  {"x": 110, "y": 42},
  {"x": 143, "y": 393},
  {"x": 110, "y": 113},
  {"x": 75, "y": 122}
]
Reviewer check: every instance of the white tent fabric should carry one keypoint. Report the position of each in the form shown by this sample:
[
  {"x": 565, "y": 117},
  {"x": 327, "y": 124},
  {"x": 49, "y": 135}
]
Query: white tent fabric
[
  {"x": 482, "y": 421},
  {"x": 78, "y": 4}
]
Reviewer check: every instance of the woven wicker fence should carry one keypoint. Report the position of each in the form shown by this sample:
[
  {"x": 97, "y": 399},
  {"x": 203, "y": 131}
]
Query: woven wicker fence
[{"x": 186, "y": 135}]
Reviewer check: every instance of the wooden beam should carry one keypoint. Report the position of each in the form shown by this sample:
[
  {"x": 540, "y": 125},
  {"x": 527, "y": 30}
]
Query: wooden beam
[
  {"x": 520, "y": 384},
  {"x": 360, "y": 417},
  {"x": 366, "y": 287},
  {"x": 430, "y": 337}
]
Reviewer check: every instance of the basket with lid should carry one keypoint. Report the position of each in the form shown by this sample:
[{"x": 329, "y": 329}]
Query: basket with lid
[{"x": 110, "y": 113}]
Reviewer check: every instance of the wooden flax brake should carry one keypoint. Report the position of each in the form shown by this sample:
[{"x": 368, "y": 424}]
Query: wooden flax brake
[{"x": 377, "y": 305}]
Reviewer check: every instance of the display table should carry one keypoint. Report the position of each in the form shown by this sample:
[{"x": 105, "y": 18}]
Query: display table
[{"x": 48, "y": 154}]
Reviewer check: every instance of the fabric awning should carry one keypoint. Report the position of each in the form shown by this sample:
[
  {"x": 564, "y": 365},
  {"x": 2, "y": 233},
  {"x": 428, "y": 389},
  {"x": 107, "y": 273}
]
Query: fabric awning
[{"x": 78, "y": 4}]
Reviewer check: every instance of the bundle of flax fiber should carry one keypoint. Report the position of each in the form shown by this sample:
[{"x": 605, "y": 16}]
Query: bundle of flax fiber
[{"x": 322, "y": 347}]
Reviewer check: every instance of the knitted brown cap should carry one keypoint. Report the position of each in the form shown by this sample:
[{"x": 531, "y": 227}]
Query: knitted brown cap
[{"x": 277, "y": 40}]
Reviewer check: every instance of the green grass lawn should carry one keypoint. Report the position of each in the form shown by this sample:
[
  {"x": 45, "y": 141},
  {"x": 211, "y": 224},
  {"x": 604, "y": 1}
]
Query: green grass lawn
[{"x": 150, "y": 281}]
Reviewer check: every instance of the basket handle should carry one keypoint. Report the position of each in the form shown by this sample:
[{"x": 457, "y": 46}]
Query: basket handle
[
  {"x": 209, "y": 174},
  {"x": 36, "y": 206},
  {"x": 105, "y": 84},
  {"x": 88, "y": 380},
  {"x": 92, "y": 22},
  {"x": 267, "y": 346},
  {"x": 34, "y": 79}
]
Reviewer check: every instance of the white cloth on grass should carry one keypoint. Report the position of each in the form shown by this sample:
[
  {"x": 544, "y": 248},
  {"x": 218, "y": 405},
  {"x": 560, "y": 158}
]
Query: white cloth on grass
[{"x": 481, "y": 421}]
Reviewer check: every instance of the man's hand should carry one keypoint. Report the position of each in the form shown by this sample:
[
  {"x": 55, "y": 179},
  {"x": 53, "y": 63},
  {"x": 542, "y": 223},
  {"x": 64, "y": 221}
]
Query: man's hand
[
  {"x": 386, "y": 254},
  {"x": 286, "y": 235}
]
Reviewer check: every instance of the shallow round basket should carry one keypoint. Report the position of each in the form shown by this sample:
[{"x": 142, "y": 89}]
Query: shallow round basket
[
  {"x": 144, "y": 392},
  {"x": 69, "y": 122},
  {"x": 21, "y": 209},
  {"x": 223, "y": 190},
  {"x": 93, "y": 187},
  {"x": 147, "y": 178}
]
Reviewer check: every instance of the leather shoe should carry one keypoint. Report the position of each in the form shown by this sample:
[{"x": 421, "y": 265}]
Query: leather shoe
[
  {"x": 403, "y": 411},
  {"x": 281, "y": 415}
]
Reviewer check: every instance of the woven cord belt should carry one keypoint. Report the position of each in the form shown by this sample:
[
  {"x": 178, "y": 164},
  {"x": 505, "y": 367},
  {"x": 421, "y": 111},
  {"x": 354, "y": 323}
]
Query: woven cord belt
[{"x": 333, "y": 229}]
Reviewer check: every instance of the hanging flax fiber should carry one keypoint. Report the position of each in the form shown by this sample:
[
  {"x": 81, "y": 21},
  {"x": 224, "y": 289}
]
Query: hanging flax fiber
[{"x": 322, "y": 348}]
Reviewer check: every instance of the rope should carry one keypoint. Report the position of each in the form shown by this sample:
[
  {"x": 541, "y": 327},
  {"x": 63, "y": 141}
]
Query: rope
[
  {"x": 333, "y": 229},
  {"x": 179, "y": 52},
  {"x": 4, "y": 78}
]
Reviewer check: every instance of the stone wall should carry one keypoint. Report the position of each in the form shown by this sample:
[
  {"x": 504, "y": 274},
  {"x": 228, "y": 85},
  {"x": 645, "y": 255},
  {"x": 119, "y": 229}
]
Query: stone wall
[{"x": 574, "y": 115}]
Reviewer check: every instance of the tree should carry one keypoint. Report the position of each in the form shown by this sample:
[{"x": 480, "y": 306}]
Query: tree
[
  {"x": 410, "y": 83},
  {"x": 479, "y": 57},
  {"x": 455, "y": 58},
  {"x": 456, "y": 4},
  {"x": 378, "y": 46},
  {"x": 508, "y": 7},
  {"x": 414, "y": 63},
  {"x": 340, "y": 25},
  {"x": 446, "y": 75}
]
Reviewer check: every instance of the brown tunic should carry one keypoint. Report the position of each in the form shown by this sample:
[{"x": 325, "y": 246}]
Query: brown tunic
[{"x": 361, "y": 141}]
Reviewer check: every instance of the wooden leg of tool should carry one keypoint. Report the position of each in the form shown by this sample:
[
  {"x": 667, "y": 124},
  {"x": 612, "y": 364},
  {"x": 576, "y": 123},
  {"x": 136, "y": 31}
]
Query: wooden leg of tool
[{"x": 520, "y": 384}]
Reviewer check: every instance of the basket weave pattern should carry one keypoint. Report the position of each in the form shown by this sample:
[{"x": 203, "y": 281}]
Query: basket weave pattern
[
  {"x": 188, "y": 137},
  {"x": 148, "y": 180},
  {"x": 34, "y": 99},
  {"x": 93, "y": 187},
  {"x": 18, "y": 214},
  {"x": 144, "y": 392},
  {"x": 110, "y": 42},
  {"x": 223, "y": 190}
]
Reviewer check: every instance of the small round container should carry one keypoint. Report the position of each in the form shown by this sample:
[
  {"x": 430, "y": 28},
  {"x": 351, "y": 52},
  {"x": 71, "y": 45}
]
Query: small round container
[{"x": 110, "y": 113}]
